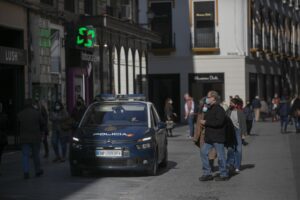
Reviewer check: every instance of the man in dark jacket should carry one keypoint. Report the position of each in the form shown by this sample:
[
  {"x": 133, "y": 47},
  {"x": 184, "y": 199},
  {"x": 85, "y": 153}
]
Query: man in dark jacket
[
  {"x": 214, "y": 122},
  {"x": 30, "y": 123}
]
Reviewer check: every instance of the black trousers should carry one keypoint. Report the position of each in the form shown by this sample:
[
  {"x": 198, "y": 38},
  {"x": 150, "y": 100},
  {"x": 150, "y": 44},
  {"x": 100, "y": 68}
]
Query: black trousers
[{"x": 249, "y": 126}]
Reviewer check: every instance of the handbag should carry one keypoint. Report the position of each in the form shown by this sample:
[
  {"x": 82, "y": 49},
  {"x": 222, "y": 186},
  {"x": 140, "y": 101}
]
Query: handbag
[
  {"x": 297, "y": 113},
  {"x": 169, "y": 124}
]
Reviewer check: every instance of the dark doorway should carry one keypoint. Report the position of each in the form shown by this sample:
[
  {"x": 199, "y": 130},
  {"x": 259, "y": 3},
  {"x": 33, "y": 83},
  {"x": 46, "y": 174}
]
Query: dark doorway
[
  {"x": 163, "y": 86},
  {"x": 252, "y": 86},
  {"x": 12, "y": 93}
]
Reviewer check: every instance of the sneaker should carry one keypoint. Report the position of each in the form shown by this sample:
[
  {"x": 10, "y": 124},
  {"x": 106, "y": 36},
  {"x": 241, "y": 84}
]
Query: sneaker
[
  {"x": 206, "y": 178},
  {"x": 222, "y": 178},
  {"x": 40, "y": 173},
  {"x": 57, "y": 159},
  {"x": 237, "y": 171}
]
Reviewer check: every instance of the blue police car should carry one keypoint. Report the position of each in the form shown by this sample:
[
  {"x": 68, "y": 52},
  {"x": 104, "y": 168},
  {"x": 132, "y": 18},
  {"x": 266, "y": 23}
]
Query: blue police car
[{"x": 119, "y": 133}]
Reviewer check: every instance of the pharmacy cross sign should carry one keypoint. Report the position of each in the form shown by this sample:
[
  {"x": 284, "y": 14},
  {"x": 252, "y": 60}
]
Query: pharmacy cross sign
[{"x": 86, "y": 36}]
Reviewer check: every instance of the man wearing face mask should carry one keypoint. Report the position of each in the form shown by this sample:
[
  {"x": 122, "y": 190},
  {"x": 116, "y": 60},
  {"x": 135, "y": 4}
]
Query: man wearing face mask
[{"x": 214, "y": 123}]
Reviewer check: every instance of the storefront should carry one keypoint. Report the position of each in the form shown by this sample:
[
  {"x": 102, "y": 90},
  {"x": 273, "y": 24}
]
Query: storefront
[
  {"x": 201, "y": 84},
  {"x": 12, "y": 61}
]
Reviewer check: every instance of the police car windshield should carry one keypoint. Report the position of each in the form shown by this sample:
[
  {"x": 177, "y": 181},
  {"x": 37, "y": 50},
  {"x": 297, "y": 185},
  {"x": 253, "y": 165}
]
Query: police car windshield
[{"x": 116, "y": 113}]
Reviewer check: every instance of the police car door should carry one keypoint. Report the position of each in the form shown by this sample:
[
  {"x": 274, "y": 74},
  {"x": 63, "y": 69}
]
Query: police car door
[{"x": 159, "y": 133}]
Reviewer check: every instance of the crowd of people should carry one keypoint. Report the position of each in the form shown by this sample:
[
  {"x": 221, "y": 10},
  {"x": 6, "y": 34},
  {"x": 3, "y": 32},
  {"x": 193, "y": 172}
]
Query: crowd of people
[
  {"x": 221, "y": 129},
  {"x": 33, "y": 128}
]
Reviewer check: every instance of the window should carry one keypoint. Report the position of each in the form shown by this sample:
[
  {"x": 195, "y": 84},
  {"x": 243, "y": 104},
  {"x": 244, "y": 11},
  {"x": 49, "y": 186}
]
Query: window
[
  {"x": 49, "y": 2},
  {"x": 88, "y": 7},
  {"x": 204, "y": 24},
  {"x": 162, "y": 23},
  {"x": 70, "y": 5},
  {"x": 55, "y": 51}
]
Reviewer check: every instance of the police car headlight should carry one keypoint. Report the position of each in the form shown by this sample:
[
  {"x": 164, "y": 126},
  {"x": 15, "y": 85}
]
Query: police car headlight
[
  {"x": 75, "y": 139},
  {"x": 76, "y": 143},
  {"x": 145, "y": 139}
]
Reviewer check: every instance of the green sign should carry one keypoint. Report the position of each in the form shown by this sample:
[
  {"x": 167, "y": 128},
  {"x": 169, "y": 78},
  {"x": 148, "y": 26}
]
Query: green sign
[{"x": 86, "y": 36}]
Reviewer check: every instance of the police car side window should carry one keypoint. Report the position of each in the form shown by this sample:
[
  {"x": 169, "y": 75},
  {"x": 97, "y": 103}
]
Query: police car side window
[{"x": 154, "y": 119}]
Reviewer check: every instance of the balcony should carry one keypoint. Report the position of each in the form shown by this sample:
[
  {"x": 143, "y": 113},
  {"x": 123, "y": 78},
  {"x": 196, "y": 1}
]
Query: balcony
[{"x": 206, "y": 43}]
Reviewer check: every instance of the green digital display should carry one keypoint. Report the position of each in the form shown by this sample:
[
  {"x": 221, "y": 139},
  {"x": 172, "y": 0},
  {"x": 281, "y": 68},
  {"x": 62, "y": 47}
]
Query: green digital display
[{"x": 86, "y": 37}]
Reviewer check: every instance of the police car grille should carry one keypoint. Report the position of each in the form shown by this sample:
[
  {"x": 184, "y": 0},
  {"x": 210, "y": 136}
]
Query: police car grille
[
  {"x": 91, "y": 142},
  {"x": 118, "y": 162}
]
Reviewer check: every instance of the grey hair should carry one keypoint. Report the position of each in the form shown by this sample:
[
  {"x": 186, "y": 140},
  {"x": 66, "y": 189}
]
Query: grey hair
[{"x": 215, "y": 95}]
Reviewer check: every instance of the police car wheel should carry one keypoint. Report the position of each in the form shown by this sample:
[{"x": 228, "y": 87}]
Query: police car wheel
[
  {"x": 153, "y": 169},
  {"x": 164, "y": 162}
]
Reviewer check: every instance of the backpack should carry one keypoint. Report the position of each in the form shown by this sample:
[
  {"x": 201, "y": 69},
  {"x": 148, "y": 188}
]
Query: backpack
[{"x": 230, "y": 138}]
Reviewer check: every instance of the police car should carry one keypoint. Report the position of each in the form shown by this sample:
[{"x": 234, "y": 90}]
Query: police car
[{"x": 121, "y": 132}]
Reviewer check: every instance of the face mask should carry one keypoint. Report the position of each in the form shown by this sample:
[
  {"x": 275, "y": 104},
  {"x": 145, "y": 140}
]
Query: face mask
[
  {"x": 57, "y": 107},
  {"x": 204, "y": 109},
  {"x": 170, "y": 102},
  {"x": 207, "y": 101},
  {"x": 78, "y": 103}
]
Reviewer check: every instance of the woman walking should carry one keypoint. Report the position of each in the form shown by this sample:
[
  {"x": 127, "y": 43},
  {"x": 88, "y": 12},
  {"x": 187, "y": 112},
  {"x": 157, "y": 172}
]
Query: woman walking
[
  {"x": 169, "y": 115},
  {"x": 234, "y": 155}
]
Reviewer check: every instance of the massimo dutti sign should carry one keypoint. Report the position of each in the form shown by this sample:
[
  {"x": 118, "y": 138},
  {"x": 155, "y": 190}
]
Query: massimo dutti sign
[{"x": 12, "y": 56}]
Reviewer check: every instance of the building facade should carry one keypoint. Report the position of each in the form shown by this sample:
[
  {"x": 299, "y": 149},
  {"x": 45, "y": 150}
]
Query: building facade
[
  {"x": 59, "y": 50},
  {"x": 245, "y": 48}
]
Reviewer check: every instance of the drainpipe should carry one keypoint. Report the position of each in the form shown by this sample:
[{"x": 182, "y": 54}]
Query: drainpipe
[{"x": 29, "y": 54}]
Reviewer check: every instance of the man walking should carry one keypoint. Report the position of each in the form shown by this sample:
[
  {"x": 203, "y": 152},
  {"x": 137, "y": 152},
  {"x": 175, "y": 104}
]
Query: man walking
[
  {"x": 214, "y": 122},
  {"x": 30, "y": 123}
]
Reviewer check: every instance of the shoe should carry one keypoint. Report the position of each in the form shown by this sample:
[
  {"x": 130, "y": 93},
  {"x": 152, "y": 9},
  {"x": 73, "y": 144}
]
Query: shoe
[
  {"x": 222, "y": 178},
  {"x": 206, "y": 178},
  {"x": 237, "y": 171},
  {"x": 57, "y": 159},
  {"x": 244, "y": 143},
  {"x": 40, "y": 173},
  {"x": 26, "y": 176}
]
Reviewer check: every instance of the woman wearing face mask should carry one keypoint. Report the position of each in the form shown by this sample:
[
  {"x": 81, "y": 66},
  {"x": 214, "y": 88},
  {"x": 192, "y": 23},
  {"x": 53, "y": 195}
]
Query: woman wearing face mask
[
  {"x": 234, "y": 155},
  {"x": 60, "y": 131}
]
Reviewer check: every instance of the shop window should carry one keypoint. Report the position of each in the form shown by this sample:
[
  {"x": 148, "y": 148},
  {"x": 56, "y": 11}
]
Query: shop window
[
  {"x": 88, "y": 7},
  {"x": 49, "y": 2},
  {"x": 162, "y": 24},
  {"x": 70, "y": 5},
  {"x": 204, "y": 24}
]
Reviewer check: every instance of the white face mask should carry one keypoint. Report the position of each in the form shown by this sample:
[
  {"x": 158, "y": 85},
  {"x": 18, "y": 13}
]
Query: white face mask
[
  {"x": 204, "y": 109},
  {"x": 57, "y": 107},
  {"x": 170, "y": 102}
]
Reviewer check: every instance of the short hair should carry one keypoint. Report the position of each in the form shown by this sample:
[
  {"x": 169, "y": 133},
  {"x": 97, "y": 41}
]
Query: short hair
[{"x": 215, "y": 95}]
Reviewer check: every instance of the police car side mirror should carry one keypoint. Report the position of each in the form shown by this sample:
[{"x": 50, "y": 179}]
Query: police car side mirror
[{"x": 161, "y": 125}]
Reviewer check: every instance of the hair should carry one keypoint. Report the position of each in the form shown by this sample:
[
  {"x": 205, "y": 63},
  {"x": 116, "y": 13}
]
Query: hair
[
  {"x": 215, "y": 95},
  {"x": 235, "y": 101}
]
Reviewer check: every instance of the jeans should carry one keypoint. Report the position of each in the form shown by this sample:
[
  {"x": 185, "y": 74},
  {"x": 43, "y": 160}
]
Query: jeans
[
  {"x": 191, "y": 125},
  {"x": 284, "y": 120},
  {"x": 205, "y": 149},
  {"x": 26, "y": 150},
  {"x": 58, "y": 140},
  {"x": 234, "y": 156}
]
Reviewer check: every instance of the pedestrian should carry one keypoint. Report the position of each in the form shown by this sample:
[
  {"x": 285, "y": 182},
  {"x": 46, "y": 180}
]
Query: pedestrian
[
  {"x": 264, "y": 109},
  {"x": 78, "y": 111},
  {"x": 199, "y": 133},
  {"x": 30, "y": 128},
  {"x": 234, "y": 155},
  {"x": 189, "y": 108},
  {"x": 248, "y": 111},
  {"x": 256, "y": 105},
  {"x": 275, "y": 106},
  {"x": 61, "y": 129},
  {"x": 3, "y": 130},
  {"x": 44, "y": 112},
  {"x": 214, "y": 123},
  {"x": 295, "y": 112},
  {"x": 169, "y": 116},
  {"x": 284, "y": 110}
]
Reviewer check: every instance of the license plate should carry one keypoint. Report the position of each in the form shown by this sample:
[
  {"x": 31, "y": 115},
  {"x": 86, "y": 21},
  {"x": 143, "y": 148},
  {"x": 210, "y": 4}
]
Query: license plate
[{"x": 108, "y": 153}]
